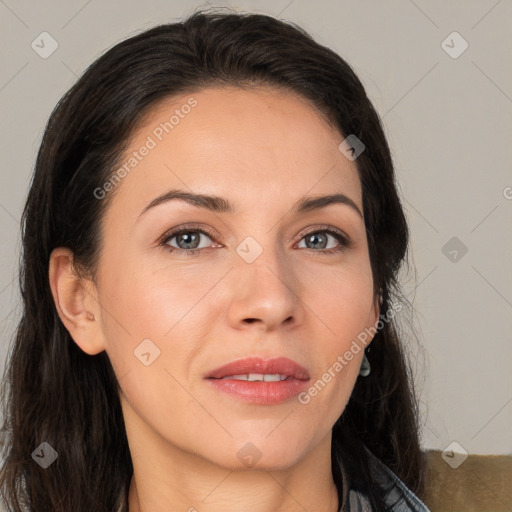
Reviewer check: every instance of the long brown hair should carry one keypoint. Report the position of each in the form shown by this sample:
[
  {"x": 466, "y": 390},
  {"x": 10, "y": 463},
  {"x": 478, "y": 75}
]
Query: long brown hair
[{"x": 52, "y": 391}]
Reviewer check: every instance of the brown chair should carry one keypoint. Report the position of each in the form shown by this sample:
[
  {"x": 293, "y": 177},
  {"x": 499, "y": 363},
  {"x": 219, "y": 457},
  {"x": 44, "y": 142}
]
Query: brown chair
[{"x": 482, "y": 483}]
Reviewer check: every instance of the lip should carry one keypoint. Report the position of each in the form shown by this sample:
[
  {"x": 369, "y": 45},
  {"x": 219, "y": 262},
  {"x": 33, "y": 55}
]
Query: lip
[
  {"x": 281, "y": 365},
  {"x": 260, "y": 392}
]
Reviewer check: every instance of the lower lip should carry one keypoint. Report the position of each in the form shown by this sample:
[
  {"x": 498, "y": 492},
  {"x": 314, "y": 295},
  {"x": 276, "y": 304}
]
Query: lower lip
[{"x": 260, "y": 392}]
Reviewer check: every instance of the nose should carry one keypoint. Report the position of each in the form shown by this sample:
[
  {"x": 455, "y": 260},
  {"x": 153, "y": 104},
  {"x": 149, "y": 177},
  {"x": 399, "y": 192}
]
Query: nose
[{"x": 265, "y": 292}]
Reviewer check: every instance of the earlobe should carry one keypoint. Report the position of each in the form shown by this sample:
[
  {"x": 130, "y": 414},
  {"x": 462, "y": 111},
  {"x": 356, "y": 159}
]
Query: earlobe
[{"x": 77, "y": 306}]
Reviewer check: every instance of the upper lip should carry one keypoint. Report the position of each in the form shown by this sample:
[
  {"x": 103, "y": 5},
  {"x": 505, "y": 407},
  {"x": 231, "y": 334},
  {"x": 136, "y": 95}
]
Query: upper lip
[{"x": 276, "y": 365}]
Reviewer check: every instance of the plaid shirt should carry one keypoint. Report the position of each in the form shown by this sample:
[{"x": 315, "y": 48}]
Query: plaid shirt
[{"x": 400, "y": 498}]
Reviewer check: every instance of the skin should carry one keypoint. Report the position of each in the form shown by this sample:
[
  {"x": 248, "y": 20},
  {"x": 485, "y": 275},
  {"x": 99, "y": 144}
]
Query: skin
[{"x": 263, "y": 149}]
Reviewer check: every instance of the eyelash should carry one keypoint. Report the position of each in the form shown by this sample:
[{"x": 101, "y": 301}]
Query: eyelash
[{"x": 343, "y": 240}]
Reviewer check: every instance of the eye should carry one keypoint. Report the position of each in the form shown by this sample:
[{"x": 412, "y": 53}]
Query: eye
[
  {"x": 188, "y": 237},
  {"x": 319, "y": 238},
  {"x": 188, "y": 240}
]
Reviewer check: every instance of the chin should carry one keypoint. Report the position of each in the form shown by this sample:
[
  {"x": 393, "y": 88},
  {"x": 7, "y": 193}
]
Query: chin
[
  {"x": 260, "y": 454},
  {"x": 270, "y": 462}
]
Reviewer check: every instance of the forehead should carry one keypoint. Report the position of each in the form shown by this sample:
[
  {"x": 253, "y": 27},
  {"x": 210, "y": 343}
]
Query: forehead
[{"x": 261, "y": 142}]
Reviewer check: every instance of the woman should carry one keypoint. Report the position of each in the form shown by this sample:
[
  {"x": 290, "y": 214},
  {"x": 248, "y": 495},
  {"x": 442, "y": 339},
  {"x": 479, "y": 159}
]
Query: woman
[{"x": 210, "y": 246}]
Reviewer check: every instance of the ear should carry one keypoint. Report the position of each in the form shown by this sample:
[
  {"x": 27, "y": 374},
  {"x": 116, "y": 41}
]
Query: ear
[{"x": 76, "y": 301}]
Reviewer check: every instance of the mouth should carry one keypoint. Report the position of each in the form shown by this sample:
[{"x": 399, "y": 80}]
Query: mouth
[
  {"x": 258, "y": 377},
  {"x": 259, "y": 381},
  {"x": 258, "y": 369}
]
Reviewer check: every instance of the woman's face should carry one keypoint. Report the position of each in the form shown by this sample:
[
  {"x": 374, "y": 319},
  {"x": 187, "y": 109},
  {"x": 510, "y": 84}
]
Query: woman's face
[{"x": 266, "y": 279}]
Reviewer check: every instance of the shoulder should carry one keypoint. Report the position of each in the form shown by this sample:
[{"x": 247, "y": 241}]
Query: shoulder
[{"x": 398, "y": 496}]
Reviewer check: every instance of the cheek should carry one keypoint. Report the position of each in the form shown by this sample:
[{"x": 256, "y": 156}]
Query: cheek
[
  {"x": 151, "y": 302},
  {"x": 341, "y": 311},
  {"x": 158, "y": 311},
  {"x": 151, "y": 340},
  {"x": 341, "y": 299}
]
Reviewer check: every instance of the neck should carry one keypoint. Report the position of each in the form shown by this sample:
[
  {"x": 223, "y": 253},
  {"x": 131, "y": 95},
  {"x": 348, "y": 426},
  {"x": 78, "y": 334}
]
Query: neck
[
  {"x": 307, "y": 486},
  {"x": 234, "y": 498}
]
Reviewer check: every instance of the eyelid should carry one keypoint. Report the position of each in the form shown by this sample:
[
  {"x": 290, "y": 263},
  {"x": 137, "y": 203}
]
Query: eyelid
[
  {"x": 323, "y": 227},
  {"x": 171, "y": 233}
]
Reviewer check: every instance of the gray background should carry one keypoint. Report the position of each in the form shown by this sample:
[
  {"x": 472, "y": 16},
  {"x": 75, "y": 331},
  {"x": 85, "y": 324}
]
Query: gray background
[{"x": 448, "y": 119}]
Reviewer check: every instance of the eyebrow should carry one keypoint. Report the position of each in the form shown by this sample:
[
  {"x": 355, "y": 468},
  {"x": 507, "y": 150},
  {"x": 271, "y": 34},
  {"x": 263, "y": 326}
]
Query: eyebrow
[{"x": 222, "y": 205}]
